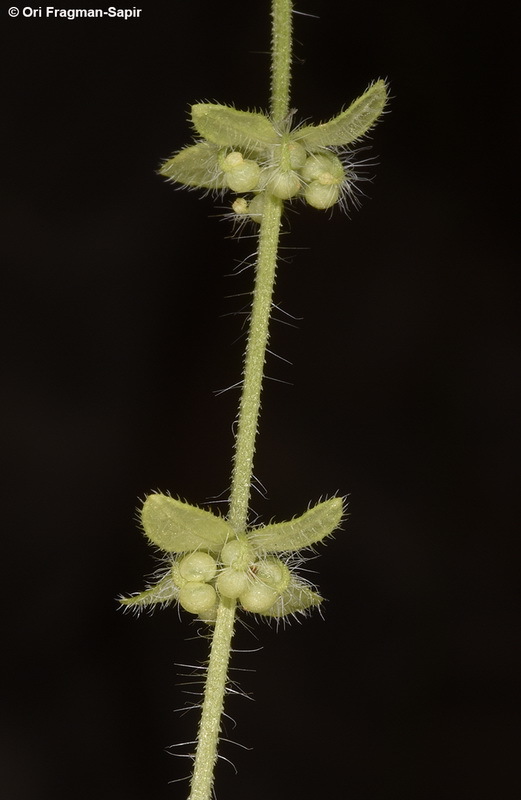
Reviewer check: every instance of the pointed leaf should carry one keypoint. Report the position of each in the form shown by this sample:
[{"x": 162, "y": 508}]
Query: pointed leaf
[
  {"x": 164, "y": 591},
  {"x": 300, "y": 532},
  {"x": 297, "y": 597},
  {"x": 229, "y": 127},
  {"x": 197, "y": 165},
  {"x": 177, "y": 527},
  {"x": 350, "y": 124}
]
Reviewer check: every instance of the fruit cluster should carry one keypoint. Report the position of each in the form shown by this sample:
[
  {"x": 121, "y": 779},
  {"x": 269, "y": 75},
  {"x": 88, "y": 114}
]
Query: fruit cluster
[
  {"x": 246, "y": 153},
  {"x": 257, "y": 584},
  {"x": 213, "y": 563}
]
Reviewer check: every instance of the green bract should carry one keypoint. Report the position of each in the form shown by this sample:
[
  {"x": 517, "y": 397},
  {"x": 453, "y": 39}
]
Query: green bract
[
  {"x": 214, "y": 562},
  {"x": 351, "y": 124},
  {"x": 304, "y": 531},
  {"x": 227, "y": 126},
  {"x": 165, "y": 591},
  {"x": 197, "y": 165},
  {"x": 178, "y": 527}
]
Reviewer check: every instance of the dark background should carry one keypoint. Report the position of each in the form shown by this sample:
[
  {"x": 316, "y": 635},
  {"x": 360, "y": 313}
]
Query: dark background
[{"x": 404, "y": 393}]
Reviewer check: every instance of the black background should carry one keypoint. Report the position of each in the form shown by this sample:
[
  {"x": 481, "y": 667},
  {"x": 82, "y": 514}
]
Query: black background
[{"x": 119, "y": 328}]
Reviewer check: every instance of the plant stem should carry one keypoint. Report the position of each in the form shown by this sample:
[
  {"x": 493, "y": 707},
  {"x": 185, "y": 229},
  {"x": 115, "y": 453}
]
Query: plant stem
[
  {"x": 210, "y": 724},
  {"x": 281, "y": 58},
  {"x": 254, "y": 363},
  {"x": 215, "y": 687}
]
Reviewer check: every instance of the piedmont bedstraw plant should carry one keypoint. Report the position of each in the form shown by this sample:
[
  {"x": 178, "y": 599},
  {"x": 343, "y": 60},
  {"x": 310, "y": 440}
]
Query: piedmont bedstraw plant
[{"x": 216, "y": 565}]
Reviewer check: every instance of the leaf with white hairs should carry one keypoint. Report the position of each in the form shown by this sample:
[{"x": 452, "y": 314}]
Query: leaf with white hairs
[
  {"x": 304, "y": 531},
  {"x": 178, "y": 527},
  {"x": 350, "y": 125},
  {"x": 229, "y": 127}
]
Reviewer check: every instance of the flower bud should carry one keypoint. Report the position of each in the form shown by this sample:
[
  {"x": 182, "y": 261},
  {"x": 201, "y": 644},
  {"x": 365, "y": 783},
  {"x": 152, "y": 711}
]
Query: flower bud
[
  {"x": 232, "y": 161},
  {"x": 320, "y": 195},
  {"x": 237, "y": 554},
  {"x": 283, "y": 184},
  {"x": 232, "y": 582},
  {"x": 325, "y": 166},
  {"x": 274, "y": 573},
  {"x": 197, "y": 597},
  {"x": 240, "y": 175},
  {"x": 245, "y": 178},
  {"x": 240, "y": 206},
  {"x": 324, "y": 174},
  {"x": 258, "y": 597},
  {"x": 198, "y": 566}
]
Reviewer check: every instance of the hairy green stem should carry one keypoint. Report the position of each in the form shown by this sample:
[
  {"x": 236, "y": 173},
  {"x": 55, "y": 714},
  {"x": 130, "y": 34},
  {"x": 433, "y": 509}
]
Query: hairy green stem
[
  {"x": 281, "y": 58},
  {"x": 210, "y": 724},
  {"x": 215, "y": 687},
  {"x": 254, "y": 363}
]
